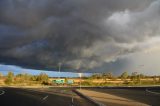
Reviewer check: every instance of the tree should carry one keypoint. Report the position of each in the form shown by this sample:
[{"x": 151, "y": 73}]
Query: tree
[
  {"x": 27, "y": 77},
  {"x": 159, "y": 79},
  {"x": 95, "y": 76},
  {"x": 23, "y": 78},
  {"x": 34, "y": 78},
  {"x": 1, "y": 75},
  {"x": 43, "y": 78},
  {"x": 136, "y": 78},
  {"x": 124, "y": 75},
  {"x": 154, "y": 79},
  {"x": 9, "y": 78},
  {"x": 134, "y": 75},
  {"x": 109, "y": 75}
]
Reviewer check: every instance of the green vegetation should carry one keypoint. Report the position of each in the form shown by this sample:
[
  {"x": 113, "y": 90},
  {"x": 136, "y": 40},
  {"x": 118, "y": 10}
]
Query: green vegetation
[
  {"x": 135, "y": 79},
  {"x": 1, "y": 75},
  {"x": 9, "y": 78},
  {"x": 124, "y": 76},
  {"x": 43, "y": 78},
  {"x": 25, "y": 79},
  {"x": 98, "y": 79}
]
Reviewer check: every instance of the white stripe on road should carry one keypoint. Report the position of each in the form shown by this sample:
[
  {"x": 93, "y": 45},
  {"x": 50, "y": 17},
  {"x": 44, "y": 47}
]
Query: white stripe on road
[
  {"x": 45, "y": 97},
  {"x": 157, "y": 93},
  {"x": 2, "y": 92}
]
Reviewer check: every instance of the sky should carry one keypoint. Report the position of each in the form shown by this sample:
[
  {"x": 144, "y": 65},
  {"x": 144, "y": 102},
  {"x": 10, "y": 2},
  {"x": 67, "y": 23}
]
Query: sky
[
  {"x": 81, "y": 35},
  {"x": 4, "y": 69}
]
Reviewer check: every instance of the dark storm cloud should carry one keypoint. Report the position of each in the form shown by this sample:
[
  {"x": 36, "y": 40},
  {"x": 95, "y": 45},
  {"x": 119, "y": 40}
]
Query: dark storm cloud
[{"x": 43, "y": 33}]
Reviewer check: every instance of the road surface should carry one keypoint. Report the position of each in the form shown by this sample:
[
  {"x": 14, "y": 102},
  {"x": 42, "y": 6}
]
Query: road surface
[
  {"x": 25, "y": 97},
  {"x": 125, "y": 96}
]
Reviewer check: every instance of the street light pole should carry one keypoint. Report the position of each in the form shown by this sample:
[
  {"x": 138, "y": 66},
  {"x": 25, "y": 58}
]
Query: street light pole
[
  {"x": 59, "y": 69},
  {"x": 80, "y": 75}
]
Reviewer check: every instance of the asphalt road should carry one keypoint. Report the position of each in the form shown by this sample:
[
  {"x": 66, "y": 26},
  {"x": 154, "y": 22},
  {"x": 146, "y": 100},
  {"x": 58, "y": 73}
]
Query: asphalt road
[{"x": 25, "y": 97}]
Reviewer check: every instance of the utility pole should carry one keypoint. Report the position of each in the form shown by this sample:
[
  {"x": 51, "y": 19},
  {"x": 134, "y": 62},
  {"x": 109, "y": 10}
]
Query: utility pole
[{"x": 59, "y": 69}]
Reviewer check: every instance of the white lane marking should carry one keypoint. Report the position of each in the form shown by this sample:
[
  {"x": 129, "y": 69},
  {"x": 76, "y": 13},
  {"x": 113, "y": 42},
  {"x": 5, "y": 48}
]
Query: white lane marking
[
  {"x": 152, "y": 92},
  {"x": 72, "y": 99},
  {"x": 45, "y": 97},
  {"x": 72, "y": 102},
  {"x": 2, "y": 92}
]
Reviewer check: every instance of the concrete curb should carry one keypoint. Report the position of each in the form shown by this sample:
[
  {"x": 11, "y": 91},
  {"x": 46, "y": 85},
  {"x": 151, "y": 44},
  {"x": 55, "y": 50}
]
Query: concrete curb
[{"x": 88, "y": 98}]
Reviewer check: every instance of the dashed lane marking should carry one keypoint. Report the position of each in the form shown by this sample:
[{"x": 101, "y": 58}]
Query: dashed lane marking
[
  {"x": 2, "y": 92},
  {"x": 45, "y": 97}
]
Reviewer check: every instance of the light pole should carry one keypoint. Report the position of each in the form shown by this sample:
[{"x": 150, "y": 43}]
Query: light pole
[
  {"x": 59, "y": 69},
  {"x": 80, "y": 75}
]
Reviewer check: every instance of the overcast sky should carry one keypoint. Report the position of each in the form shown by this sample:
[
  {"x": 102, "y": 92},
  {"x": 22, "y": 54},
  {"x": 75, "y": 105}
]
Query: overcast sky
[{"x": 83, "y": 35}]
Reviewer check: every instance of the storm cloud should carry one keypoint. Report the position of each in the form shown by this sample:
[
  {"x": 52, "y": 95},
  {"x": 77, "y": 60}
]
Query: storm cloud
[{"x": 82, "y": 35}]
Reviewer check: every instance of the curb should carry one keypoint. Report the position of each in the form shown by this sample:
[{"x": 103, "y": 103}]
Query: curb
[{"x": 88, "y": 98}]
